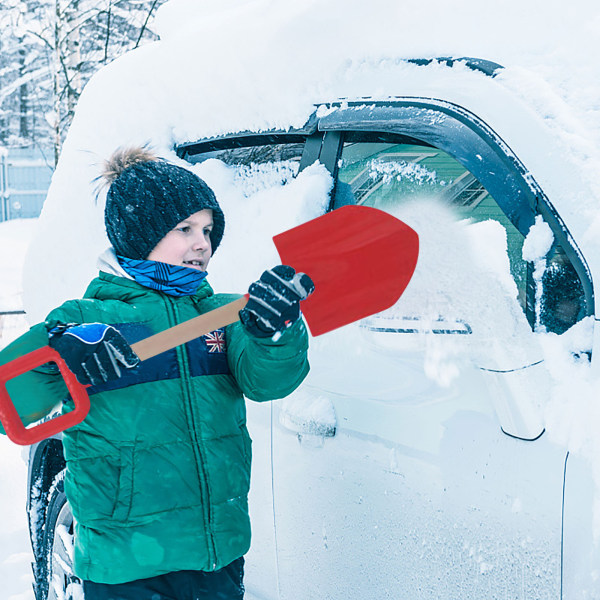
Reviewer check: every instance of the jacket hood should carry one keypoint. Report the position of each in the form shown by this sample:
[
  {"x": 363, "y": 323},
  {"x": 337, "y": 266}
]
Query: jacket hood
[{"x": 109, "y": 263}]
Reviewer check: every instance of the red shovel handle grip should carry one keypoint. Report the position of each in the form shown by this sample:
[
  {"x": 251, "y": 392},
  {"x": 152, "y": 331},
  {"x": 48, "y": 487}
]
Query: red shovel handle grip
[{"x": 11, "y": 421}]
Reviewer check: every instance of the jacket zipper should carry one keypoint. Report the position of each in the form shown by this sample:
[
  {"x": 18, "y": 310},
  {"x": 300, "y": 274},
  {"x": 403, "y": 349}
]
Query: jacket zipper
[{"x": 193, "y": 427}]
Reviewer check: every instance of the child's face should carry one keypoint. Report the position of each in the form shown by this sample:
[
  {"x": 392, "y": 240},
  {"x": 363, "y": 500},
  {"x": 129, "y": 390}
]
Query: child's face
[{"x": 188, "y": 244}]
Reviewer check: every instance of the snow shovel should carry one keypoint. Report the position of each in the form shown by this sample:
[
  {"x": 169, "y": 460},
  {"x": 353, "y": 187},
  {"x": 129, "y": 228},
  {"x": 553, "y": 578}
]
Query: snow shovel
[{"x": 361, "y": 259}]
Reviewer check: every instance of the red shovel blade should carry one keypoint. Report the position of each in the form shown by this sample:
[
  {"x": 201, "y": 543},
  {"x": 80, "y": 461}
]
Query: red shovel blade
[{"x": 361, "y": 259}]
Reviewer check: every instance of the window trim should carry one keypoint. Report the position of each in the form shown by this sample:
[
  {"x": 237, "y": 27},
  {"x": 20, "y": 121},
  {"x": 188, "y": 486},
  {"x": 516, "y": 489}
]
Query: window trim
[{"x": 307, "y": 134}]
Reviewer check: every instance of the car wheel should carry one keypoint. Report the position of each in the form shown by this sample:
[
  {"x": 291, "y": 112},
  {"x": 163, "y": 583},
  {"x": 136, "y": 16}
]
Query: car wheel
[{"x": 60, "y": 583}]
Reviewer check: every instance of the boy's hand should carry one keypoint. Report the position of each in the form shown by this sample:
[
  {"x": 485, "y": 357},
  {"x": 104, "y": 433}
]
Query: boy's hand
[
  {"x": 93, "y": 351},
  {"x": 274, "y": 302}
]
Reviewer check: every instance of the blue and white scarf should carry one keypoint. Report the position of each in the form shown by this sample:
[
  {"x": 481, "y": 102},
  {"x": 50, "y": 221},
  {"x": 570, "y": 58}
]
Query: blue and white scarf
[{"x": 170, "y": 279}]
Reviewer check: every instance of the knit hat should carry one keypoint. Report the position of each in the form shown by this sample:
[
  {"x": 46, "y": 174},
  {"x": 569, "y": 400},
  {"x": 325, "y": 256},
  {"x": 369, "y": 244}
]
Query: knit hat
[{"x": 148, "y": 197}]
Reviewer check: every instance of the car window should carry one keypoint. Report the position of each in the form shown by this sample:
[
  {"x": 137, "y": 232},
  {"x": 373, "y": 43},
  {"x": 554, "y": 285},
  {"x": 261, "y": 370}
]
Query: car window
[
  {"x": 257, "y": 163},
  {"x": 397, "y": 176},
  {"x": 253, "y": 155}
]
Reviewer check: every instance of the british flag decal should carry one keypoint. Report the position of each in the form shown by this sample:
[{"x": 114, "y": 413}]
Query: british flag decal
[{"x": 215, "y": 341}]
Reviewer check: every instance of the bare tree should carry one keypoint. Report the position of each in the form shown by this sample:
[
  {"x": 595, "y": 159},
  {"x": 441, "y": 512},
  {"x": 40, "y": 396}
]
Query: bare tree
[{"x": 49, "y": 49}]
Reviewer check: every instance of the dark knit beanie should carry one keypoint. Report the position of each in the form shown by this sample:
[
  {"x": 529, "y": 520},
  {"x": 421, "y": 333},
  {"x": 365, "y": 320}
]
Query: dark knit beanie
[{"x": 148, "y": 197}]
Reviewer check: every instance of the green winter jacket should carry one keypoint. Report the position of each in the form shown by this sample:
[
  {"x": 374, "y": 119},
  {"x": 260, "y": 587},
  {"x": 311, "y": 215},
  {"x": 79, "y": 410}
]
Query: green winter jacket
[{"x": 158, "y": 473}]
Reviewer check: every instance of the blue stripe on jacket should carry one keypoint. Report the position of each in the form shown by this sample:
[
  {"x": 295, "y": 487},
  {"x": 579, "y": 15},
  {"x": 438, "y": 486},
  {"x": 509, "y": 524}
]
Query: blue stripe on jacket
[{"x": 206, "y": 355}]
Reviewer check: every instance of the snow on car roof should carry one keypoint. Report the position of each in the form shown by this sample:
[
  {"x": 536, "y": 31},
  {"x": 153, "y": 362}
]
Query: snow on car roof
[{"x": 223, "y": 67}]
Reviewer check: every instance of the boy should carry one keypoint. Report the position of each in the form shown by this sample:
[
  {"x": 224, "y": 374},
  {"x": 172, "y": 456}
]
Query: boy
[{"x": 158, "y": 473}]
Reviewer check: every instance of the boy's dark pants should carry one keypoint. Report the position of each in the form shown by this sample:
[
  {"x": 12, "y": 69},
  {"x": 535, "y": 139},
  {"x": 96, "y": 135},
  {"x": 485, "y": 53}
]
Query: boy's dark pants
[{"x": 224, "y": 584}]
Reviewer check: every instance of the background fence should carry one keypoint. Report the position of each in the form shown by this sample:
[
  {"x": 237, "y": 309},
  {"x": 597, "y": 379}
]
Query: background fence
[{"x": 24, "y": 180}]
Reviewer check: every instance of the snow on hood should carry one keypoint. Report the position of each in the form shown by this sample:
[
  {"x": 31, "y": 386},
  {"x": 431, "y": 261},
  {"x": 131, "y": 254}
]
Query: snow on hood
[{"x": 262, "y": 64}]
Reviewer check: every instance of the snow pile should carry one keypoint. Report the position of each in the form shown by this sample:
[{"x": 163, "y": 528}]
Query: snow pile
[
  {"x": 463, "y": 276},
  {"x": 15, "y": 550},
  {"x": 535, "y": 247},
  {"x": 538, "y": 242},
  {"x": 15, "y": 237},
  {"x": 462, "y": 284}
]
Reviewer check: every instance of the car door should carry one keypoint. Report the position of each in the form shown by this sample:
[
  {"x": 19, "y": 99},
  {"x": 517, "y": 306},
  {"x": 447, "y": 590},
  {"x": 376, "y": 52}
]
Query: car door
[{"x": 413, "y": 462}]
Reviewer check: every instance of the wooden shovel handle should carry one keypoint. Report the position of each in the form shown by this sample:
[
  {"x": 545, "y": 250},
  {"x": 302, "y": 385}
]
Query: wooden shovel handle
[{"x": 189, "y": 330}]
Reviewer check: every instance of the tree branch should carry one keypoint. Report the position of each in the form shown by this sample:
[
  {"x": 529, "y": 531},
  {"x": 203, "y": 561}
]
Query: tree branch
[
  {"x": 107, "y": 31},
  {"x": 143, "y": 29}
]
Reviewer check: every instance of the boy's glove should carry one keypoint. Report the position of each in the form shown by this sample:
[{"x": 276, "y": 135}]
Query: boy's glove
[
  {"x": 274, "y": 302},
  {"x": 93, "y": 351}
]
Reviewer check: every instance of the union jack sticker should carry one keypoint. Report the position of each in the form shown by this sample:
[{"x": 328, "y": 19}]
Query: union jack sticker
[{"x": 215, "y": 341}]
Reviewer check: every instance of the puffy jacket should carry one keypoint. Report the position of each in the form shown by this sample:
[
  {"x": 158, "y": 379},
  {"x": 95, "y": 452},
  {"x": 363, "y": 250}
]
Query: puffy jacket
[{"x": 158, "y": 473}]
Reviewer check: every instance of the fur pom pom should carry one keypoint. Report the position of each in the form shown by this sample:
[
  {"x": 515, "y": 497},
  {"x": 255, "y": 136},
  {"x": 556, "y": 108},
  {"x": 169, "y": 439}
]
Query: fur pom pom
[{"x": 122, "y": 159}]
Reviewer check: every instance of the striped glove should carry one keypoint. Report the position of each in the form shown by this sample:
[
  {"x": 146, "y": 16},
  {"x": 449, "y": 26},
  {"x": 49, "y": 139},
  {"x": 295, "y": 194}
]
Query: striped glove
[
  {"x": 274, "y": 302},
  {"x": 94, "y": 352}
]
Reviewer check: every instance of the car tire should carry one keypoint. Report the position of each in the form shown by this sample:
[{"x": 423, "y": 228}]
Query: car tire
[{"x": 56, "y": 578}]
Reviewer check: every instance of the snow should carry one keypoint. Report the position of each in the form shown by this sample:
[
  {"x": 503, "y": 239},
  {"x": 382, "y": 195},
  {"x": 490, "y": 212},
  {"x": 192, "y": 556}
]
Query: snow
[
  {"x": 15, "y": 550},
  {"x": 242, "y": 65},
  {"x": 452, "y": 256},
  {"x": 537, "y": 244},
  {"x": 312, "y": 414},
  {"x": 15, "y": 237},
  {"x": 538, "y": 241}
]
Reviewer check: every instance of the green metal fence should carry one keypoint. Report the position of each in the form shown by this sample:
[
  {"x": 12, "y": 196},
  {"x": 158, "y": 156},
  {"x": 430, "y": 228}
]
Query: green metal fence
[{"x": 25, "y": 175}]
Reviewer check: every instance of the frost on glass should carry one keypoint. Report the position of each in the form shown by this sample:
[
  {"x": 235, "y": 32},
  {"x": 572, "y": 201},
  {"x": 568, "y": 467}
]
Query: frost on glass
[
  {"x": 387, "y": 171},
  {"x": 255, "y": 177},
  {"x": 470, "y": 266}
]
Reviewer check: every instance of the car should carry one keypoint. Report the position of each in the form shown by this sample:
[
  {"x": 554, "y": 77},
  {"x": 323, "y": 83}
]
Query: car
[{"x": 415, "y": 460}]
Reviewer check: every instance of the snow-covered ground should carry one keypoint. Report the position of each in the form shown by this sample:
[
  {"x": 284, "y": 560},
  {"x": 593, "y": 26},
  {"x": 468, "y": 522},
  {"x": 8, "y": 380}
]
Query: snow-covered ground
[{"x": 15, "y": 551}]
